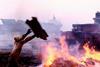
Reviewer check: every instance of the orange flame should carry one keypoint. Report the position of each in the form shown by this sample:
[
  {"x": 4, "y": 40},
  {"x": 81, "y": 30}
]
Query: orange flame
[
  {"x": 91, "y": 53},
  {"x": 51, "y": 53}
]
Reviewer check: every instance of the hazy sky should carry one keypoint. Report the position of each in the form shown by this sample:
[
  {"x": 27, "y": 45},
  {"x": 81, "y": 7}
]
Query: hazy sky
[{"x": 68, "y": 12}]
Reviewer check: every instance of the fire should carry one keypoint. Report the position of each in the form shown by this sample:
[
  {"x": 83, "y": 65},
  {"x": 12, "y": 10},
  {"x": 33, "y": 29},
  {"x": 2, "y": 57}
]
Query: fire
[
  {"x": 91, "y": 53},
  {"x": 55, "y": 54}
]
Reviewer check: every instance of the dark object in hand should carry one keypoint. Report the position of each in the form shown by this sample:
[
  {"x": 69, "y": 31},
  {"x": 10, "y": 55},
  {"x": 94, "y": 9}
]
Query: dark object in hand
[{"x": 36, "y": 28}]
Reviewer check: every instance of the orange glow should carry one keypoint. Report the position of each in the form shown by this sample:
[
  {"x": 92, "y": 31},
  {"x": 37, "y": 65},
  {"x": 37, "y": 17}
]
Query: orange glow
[
  {"x": 91, "y": 53},
  {"x": 52, "y": 53}
]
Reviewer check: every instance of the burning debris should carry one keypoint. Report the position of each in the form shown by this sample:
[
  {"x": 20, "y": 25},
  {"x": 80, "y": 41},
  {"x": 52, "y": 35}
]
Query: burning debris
[
  {"x": 60, "y": 62},
  {"x": 55, "y": 55},
  {"x": 59, "y": 54}
]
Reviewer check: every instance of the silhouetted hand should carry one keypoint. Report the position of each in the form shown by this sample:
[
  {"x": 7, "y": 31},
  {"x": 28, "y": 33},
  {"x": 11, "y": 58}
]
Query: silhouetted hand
[{"x": 29, "y": 31}]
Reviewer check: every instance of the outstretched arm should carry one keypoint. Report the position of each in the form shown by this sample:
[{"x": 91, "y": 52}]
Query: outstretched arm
[
  {"x": 28, "y": 39},
  {"x": 24, "y": 35}
]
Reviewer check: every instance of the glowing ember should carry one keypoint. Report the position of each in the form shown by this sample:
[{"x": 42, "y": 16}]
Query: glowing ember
[{"x": 55, "y": 55}]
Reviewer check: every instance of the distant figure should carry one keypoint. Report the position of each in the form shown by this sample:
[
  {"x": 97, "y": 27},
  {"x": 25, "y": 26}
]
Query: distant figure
[
  {"x": 18, "y": 44},
  {"x": 21, "y": 40}
]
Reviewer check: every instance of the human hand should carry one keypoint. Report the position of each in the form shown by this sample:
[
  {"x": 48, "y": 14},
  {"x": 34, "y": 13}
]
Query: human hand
[{"x": 29, "y": 31}]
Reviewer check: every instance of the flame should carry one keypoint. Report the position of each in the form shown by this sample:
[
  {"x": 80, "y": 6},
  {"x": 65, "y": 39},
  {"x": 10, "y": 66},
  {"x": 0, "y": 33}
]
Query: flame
[
  {"x": 52, "y": 52},
  {"x": 91, "y": 53}
]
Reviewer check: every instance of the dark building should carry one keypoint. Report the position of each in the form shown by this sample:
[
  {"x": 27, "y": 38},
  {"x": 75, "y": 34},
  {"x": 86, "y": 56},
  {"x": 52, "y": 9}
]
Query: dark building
[
  {"x": 88, "y": 32},
  {"x": 85, "y": 33},
  {"x": 93, "y": 28},
  {"x": 97, "y": 18},
  {"x": 70, "y": 38}
]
